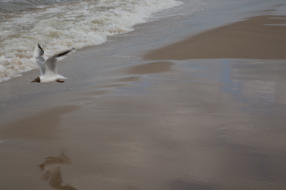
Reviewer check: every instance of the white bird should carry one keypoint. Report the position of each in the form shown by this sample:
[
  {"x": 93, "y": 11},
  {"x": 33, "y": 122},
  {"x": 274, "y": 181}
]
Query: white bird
[{"x": 48, "y": 69}]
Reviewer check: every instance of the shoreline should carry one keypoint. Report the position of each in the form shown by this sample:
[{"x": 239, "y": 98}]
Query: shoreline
[
  {"x": 194, "y": 122},
  {"x": 78, "y": 28}
]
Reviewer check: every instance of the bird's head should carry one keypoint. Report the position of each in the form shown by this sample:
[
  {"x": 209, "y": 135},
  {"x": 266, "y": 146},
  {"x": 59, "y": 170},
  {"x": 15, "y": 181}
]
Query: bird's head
[{"x": 37, "y": 80}]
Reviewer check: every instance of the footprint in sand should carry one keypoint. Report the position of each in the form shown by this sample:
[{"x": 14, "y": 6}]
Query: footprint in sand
[{"x": 51, "y": 168}]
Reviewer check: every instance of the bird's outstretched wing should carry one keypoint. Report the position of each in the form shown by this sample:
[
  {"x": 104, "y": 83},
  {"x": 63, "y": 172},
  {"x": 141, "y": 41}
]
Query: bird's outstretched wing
[
  {"x": 51, "y": 62},
  {"x": 41, "y": 50}
]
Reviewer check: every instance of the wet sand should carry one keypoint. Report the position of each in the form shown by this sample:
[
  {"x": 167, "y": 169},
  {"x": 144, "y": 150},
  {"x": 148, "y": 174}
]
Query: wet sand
[
  {"x": 261, "y": 37},
  {"x": 167, "y": 121}
]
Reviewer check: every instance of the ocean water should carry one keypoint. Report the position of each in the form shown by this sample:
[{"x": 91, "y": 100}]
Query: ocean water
[{"x": 62, "y": 24}]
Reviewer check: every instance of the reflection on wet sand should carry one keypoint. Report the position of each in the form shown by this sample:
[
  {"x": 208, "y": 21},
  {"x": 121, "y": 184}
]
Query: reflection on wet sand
[
  {"x": 141, "y": 69},
  {"x": 42, "y": 125},
  {"x": 51, "y": 169},
  {"x": 191, "y": 185},
  {"x": 129, "y": 79},
  {"x": 149, "y": 68},
  {"x": 257, "y": 84}
]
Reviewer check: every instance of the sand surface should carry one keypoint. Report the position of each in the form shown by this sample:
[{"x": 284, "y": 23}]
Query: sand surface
[
  {"x": 170, "y": 120},
  {"x": 260, "y": 37}
]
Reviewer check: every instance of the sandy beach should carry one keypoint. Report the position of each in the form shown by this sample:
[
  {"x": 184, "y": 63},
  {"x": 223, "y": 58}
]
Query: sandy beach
[
  {"x": 203, "y": 108},
  {"x": 260, "y": 37}
]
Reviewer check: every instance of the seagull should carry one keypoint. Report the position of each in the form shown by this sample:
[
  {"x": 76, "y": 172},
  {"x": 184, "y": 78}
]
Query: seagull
[{"x": 48, "y": 69}]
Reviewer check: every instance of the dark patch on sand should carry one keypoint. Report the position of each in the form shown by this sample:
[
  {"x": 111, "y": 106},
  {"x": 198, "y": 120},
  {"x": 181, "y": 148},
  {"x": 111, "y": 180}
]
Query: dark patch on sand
[{"x": 51, "y": 168}]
